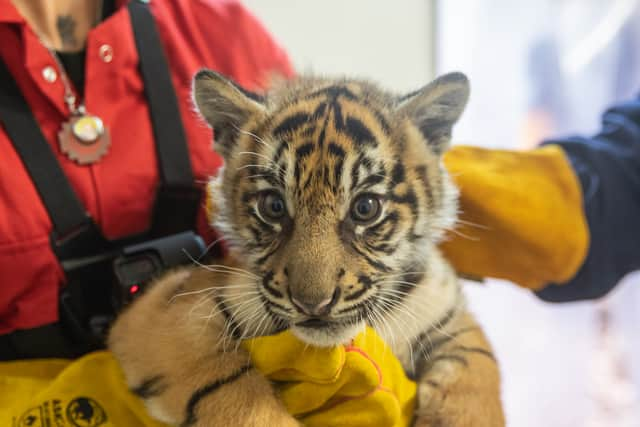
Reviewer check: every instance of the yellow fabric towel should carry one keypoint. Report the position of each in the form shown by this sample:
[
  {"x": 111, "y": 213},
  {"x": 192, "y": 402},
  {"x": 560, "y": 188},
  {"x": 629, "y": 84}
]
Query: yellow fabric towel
[
  {"x": 522, "y": 215},
  {"x": 360, "y": 384}
]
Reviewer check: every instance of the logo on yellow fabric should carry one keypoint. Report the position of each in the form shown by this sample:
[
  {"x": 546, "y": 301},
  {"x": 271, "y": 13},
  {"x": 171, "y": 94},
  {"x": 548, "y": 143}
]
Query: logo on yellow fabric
[
  {"x": 85, "y": 412},
  {"x": 50, "y": 413},
  {"x": 80, "y": 412}
]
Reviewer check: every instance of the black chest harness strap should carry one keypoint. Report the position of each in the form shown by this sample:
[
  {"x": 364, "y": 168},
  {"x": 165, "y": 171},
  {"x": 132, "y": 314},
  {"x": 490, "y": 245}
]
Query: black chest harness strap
[{"x": 87, "y": 303}]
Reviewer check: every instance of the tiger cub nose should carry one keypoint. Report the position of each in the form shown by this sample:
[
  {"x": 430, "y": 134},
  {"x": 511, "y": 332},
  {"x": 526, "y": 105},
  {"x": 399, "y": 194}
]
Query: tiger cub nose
[{"x": 310, "y": 307}]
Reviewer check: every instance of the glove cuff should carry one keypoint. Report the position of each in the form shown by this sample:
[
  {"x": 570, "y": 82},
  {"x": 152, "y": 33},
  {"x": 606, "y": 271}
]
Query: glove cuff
[{"x": 521, "y": 215}]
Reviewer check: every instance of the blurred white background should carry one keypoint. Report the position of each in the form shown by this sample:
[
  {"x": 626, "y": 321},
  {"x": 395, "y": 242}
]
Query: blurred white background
[
  {"x": 538, "y": 69},
  {"x": 388, "y": 41}
]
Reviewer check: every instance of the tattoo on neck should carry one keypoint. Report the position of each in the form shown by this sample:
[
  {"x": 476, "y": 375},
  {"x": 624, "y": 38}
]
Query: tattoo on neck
[{"x": 66, "y": 27}]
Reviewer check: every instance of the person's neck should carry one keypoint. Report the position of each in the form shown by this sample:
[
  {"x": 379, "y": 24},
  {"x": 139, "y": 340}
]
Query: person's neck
[{"x": 62, "y": 25}]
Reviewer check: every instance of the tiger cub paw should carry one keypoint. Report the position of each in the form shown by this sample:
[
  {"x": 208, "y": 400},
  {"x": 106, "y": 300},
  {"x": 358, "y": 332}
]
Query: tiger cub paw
[{"x": 448, "y": 408}]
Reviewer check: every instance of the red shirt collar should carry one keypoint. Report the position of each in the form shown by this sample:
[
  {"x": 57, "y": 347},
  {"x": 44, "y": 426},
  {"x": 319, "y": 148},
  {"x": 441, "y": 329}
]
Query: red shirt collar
[
  {"x": 9, "y": 13},
  {"x": 34, "y": 56}
]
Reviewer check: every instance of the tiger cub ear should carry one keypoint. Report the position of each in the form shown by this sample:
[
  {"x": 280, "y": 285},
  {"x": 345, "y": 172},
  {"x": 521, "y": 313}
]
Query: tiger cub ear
[
  {"x": 225, "y": 106},
  {"x": 436, "y": 107}
]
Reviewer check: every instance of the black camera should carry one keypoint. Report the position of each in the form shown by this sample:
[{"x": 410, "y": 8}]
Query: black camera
[
  {"x": 101, "y": 284},
  {"x": 138, "y": 264}
]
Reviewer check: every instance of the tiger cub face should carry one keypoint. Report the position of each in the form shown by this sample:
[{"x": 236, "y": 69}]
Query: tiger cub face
[{"x": 331, "y": 197}]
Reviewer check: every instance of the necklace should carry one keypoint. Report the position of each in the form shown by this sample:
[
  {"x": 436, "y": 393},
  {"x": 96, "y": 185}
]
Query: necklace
[{"x": 84, "y": 137}]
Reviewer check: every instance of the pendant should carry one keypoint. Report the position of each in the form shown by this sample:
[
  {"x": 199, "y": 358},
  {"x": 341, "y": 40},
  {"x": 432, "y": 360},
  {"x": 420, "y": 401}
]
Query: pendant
[{"x": 84, "y": 139}]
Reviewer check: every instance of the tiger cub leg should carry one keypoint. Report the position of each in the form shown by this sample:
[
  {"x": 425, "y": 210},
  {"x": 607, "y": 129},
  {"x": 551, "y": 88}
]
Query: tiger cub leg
[
  {"x": 171, "y": 347},
  {"x": 460, "y": 382}
]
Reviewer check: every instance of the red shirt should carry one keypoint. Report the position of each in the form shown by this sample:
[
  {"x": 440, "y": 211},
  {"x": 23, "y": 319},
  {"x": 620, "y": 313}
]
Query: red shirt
[{"x": 118, "y": 190}]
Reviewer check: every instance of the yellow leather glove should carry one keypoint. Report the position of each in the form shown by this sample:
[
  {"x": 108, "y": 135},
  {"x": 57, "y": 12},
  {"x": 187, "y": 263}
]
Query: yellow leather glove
[
  {"x": 361, "y": 384},
  {"x": 87, "y": 392},
  {"x": 522, "y": 215}
]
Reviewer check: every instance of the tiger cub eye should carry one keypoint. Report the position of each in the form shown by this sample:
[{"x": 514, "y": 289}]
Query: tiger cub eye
[
  {"x": 272, "y": 206},
  {"x": 366, "y": 209}
]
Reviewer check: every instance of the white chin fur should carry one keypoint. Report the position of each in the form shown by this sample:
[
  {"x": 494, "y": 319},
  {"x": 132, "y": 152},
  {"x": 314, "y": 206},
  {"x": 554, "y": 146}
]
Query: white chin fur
[{"x": 327, "y": 337}]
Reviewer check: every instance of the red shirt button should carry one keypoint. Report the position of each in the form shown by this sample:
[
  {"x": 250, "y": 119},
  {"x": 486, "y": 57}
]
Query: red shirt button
[{"x": 106, "y": 53}]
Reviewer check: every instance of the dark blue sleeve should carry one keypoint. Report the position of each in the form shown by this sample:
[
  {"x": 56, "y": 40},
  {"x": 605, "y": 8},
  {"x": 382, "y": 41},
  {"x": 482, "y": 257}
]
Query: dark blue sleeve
[{"x": 608, "y": 166}]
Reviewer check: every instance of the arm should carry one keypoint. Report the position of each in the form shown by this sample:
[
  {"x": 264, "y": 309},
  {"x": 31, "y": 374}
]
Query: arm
[
  {"x": 608, "y": 167},
  {"x": 566, "y": 213}
]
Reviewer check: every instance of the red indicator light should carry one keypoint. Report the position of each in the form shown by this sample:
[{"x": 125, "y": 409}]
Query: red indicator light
[{"x": 133, "y": 289}]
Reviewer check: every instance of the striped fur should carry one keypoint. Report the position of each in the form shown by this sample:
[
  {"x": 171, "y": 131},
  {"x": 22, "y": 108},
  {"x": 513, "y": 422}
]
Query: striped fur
[{"x": 319, "y": 147}]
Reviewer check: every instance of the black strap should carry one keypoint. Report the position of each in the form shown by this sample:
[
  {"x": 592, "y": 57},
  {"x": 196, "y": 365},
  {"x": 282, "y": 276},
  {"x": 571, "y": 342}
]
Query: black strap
[
  {"x": 173, "y": 155},
  {"x": 177, "y": 199},
  {"x": 62, "y": 204},
  {"x": 37, "y": 343}
]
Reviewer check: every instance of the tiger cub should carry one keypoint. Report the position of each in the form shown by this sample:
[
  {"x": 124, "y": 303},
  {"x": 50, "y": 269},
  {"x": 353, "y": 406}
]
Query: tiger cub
[{"x": 332, "y": 200}]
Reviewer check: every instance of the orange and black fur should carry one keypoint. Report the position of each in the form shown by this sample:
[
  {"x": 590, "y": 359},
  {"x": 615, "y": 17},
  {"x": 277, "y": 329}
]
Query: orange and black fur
[{"x": 332, "y": 200}]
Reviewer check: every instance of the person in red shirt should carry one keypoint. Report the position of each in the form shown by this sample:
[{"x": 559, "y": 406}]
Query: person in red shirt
[{"x": 65, "y": 56}]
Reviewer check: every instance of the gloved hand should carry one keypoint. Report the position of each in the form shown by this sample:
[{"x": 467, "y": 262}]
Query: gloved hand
[
  {"x": 90, "y": 391},
  {"x": 521, "y": 215},
  {"x": 360, "y": 384}
]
